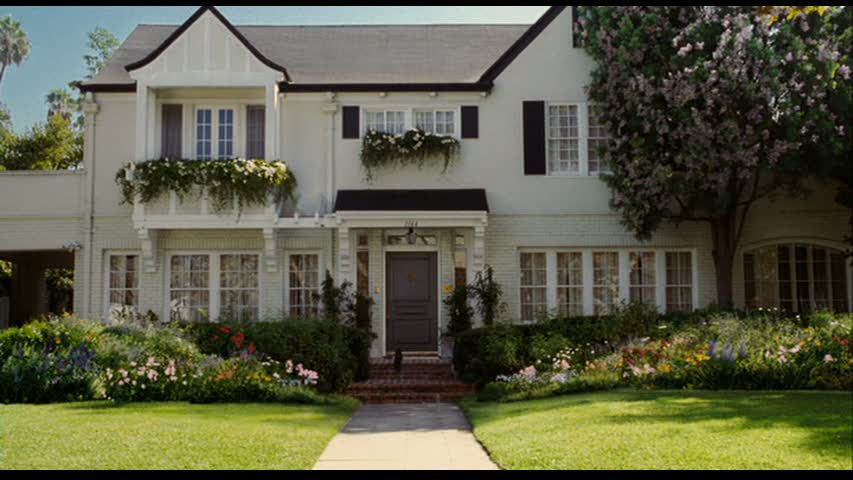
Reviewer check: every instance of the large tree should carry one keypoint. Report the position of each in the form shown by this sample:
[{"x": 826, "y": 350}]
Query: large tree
[
  {"x": 14, "y": 44},
  {"x": 61, "y": 102},
  {"x": 102, "y": 44},
  {"x": 55, "y": 145},
  {"x": 711, "y": 109}
]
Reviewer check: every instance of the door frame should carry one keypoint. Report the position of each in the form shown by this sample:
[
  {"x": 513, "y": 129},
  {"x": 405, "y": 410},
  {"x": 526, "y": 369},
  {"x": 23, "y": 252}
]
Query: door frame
[{"x": 388, "y": 250}]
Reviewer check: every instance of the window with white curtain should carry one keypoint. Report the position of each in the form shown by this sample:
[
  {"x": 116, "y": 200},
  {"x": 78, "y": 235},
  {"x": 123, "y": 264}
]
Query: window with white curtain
[
  {"x": 534, "y": 286},
  {"x": 796, "y": 278},
  {"x": 238, "y": 287},
  {"x": 124, "y": 281},
  {"x": 679, "y": 282},
  {"x": 438, "y": 122},
  {"x": 388, "y": 121},
  {"x": 189, "y": 288},
  {"x": 570, "y": 283},
  {"x": 563, "y": 139},
  {"x": 643, "y": 278},
  {"x": 304, "y": 285},
  {"x": 605, "y": 290}
]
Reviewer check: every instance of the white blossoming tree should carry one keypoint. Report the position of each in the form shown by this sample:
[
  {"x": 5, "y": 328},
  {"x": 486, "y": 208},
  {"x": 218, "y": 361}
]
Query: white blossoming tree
[{"x": 712, "y": 109}]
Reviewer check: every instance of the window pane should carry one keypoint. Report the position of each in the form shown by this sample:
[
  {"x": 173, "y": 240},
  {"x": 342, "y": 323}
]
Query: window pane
[
  {"x": 189, "y": 294},
  {"x": 256, "y": 132},
  {"x": 304, "y": 285},
  {"x": 123, "y": 282},
  {"x": 204, "y": 131},
  {"x": 534, "y": 292},
  {"x": 563, "y": 141},
  {"x": 679, "y": 282},
  {"x": 643, "y": 282},
  {"x": 570, "y": 284},
  {"x": 605, "y": 281},
  {"x": 226, "y": 133},
  {"x": 597, "y": 141}
]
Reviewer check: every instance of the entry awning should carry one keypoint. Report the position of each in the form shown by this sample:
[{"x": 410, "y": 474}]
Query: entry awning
[{"x": 412, "y": 201}]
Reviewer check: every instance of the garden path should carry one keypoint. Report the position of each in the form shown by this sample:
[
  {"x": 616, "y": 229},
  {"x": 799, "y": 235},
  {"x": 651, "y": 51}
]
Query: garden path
[{"x": 406, "y": 437}]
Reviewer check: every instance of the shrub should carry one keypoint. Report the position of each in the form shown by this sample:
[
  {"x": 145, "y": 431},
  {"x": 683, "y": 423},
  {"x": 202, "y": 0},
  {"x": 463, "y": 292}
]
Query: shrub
[
  {"x": 487, "y": 293},
  {"x": 48, "y": 361},
  {"x": 459, "y": 310},
  {"x": 481, "y": 355},
  {"x": 339, "y": 353}
]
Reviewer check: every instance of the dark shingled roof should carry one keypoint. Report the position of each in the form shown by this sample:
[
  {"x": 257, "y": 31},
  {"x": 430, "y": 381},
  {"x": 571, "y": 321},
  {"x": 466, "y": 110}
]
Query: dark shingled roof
[
  {"x": 412, "y": 201},
  {"x": 350, "y": 54}
]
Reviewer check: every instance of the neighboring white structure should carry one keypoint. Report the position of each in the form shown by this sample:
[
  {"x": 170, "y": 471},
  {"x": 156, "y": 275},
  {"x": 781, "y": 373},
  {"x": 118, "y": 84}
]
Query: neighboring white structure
[{"x": 524, "y": 196}]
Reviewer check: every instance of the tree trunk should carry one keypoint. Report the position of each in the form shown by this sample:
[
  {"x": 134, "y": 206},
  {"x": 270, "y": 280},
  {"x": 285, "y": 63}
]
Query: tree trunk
[
  {"x": 724, "y": 234},
  {"x": 2, "y": 73}
]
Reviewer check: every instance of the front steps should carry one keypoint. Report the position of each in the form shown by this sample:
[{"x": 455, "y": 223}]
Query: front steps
[{"x": 421, "y": 380}]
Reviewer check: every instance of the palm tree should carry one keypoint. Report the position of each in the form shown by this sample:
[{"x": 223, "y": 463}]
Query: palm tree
[
  {"x": 14, "y": 44},
  {"x": 60, "y": 102}
]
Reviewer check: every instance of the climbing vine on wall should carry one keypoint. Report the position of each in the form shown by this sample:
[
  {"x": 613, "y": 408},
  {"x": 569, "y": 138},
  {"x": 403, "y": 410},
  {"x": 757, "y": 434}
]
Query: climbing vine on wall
[
  {"x": 250, "y": 182},
  {"x": 415, "y": 147}
]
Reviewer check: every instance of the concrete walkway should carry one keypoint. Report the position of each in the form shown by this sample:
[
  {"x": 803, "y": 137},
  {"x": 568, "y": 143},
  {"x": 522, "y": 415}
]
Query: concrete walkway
[{"x": 406, "y": 437}]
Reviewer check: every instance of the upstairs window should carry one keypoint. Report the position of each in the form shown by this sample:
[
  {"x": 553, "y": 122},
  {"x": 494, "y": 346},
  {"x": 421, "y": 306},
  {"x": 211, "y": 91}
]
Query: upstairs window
[
  {"x": 390, "y": 121},
  {"x": 255, "y": 132},
  {"x": 437, "y": 122},
  {"x": 214, "y": 133},
  {"x": 596, "y": 142},
  {"x": 204, "y": 134},
  {"x": 563, "y": 140}
]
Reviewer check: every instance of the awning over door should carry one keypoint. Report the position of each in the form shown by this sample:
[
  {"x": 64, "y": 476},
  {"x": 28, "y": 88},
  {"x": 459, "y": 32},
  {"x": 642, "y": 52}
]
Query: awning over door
[{"x": 412, "y": 201}]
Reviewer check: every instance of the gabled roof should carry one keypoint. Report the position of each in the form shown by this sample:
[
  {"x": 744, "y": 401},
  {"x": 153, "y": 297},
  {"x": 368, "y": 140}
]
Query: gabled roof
[
  {"x": 350, "y": 58},
  {"x": 186, "y": 25}
]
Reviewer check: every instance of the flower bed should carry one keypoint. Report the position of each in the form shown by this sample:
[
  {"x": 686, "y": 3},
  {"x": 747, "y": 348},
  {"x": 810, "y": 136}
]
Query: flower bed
[
  {"x": 250, "y": 182},
  {"x": 71, "y": 360},
  {"x": 762, "y": 351}
]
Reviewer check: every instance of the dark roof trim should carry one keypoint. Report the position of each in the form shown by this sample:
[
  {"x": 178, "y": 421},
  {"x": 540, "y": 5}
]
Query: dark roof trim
[
  {"x": 186, "y": 25},
  {"x": 384, "y": 87},
  {"x": 412, "y": 201},
  {"x": 108, "y": 88},
  {"x": 521, "y": 44}
]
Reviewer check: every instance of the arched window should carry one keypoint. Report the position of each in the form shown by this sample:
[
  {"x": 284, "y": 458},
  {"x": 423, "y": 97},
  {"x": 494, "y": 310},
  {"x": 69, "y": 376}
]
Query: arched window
[{"x": 796, "y": 278}]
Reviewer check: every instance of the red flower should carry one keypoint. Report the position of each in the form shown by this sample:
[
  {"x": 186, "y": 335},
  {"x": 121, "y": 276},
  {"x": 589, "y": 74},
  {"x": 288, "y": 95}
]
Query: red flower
[
  {"x": 216, "y": 338},
  {"x": 252, "y": 348},
  {"x": 239, "y": 339}
]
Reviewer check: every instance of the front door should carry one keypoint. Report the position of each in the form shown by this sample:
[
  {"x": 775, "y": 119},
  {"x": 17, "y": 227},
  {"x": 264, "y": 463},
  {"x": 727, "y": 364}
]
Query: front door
[{"x": 412, "y": 302}]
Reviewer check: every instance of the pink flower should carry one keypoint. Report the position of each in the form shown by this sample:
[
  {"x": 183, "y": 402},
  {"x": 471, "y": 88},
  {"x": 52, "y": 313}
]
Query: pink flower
[{"x": 829, "y": 358}]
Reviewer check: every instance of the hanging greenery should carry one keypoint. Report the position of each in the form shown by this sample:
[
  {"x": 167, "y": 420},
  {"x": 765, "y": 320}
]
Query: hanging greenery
[
  {"x": 415, "y": 147},
  {"x": 251, "y": 182}
]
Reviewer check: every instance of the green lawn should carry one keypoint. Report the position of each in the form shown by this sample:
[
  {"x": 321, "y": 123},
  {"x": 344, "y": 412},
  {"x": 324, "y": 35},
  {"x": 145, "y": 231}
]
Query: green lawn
[
  {"x": 166, "y": 436},
  {"x": 670, "y": 430}
]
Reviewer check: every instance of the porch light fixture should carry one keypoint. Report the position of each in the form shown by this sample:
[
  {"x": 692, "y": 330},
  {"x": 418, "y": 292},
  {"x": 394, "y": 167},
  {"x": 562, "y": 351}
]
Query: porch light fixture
[{"x": 412, "y": 237}]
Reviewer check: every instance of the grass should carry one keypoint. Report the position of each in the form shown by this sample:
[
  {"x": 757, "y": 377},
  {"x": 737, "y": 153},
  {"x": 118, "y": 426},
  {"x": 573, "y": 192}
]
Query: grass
[
  {"x": 670, "y": 430},
  {"x": 99, "y": 436}
]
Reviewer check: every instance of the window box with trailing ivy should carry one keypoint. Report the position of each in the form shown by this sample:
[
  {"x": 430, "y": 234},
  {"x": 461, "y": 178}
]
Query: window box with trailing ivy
[
  {"x": 415, "y": 147},
  {"x": 248, "y": 182}
]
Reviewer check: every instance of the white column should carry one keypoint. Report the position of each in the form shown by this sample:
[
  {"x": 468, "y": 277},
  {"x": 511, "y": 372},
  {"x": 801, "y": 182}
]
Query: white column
[
  {"x": 270, "y": 250},
  {"x": 344, "y": 255},
  {"x": 624, "y": 276},
  {"x": 551, "y": 274},
  {"x": 331, "y": 110},
  {"x": 142, "y": 93},
  {"x": 660, "y": 280},
  {"x": 272, "y": 122},
  {"x": 478, "y": 262}
]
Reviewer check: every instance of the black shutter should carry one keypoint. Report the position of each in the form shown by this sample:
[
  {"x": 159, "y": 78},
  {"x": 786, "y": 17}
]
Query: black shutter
[
  {"x": 534, "y": 138},
  {"x": 470, "y": 122},
  {"x": 351, "y": 127}
]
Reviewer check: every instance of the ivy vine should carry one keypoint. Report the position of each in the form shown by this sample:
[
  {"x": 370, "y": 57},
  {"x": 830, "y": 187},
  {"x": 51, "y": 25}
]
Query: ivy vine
[
  {"x": 415, "y": 147},
  {"x": 251, "y": 182}
]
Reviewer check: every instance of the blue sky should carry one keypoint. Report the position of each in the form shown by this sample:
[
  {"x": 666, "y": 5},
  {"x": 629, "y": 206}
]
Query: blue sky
[{"x": 58, "y": 36}]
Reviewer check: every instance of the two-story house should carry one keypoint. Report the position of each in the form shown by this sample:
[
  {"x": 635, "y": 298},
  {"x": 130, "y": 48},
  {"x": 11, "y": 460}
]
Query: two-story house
[{"x": 524, "y": 195}]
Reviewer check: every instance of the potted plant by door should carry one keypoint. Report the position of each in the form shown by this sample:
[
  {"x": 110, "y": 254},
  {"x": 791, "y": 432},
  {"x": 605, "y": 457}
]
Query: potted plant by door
[{"x": 461, "y": 316}]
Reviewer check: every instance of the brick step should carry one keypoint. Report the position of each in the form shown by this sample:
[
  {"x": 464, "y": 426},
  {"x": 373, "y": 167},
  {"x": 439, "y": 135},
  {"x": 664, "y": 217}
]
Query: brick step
[
  {"x": 409, "y": 398},
  {"x": 413, "y": 378},
  {"x": 413, "y": 368},
  {"x": 426, "y": 387}
]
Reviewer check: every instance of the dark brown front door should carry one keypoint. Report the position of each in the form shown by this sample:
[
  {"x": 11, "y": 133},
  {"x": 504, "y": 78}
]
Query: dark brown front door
[{"x": 412, "y": 308}]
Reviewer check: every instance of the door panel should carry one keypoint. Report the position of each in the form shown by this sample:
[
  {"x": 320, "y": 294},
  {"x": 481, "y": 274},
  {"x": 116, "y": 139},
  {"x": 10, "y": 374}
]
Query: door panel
[{"x": 412, "y": 306}]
